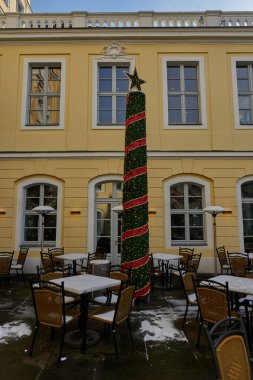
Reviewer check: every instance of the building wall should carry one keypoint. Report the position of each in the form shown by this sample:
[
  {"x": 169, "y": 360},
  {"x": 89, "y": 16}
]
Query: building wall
[{"x": 75, "y": 173}]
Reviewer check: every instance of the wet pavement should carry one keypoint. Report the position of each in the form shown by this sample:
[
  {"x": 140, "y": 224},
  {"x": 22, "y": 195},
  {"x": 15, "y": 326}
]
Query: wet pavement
[{"x": 161, "y": 351}]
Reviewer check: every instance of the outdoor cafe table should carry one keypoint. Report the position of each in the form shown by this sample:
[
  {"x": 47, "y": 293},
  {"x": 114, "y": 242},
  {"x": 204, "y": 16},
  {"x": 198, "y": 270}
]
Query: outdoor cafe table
[
  {"x": 236, "y": 284},
  {"x": 73, "y": 257},
  {"x": 166, "y": 257},
  {"x": 83, "y": 285}
]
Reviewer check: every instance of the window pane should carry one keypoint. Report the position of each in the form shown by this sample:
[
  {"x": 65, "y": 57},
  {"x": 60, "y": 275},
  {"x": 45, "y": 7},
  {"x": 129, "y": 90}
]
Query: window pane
[
  {"x": 173, "y": 85},
  {"x": 174, "y": 117},
  {"x": 49, "y": 234},
  {"x": 50, "y": 220},
  {"x": 195, "y": 203},
  {"x": 177, "y": 190},
  {"x": 190, "y": 72},
  {"x": 173, "y": 72},
  {"x": 31, "y": 220},
  {"x": 248, "y": 242},
  {"x": 247, "y": 210},
  {"x": 243, "y": 85},
  {"x": 53, "y": 103},
  {"x": 36, "y": 103},
  {"x": 31, "y": 203},
  {"x": 33, "y": 191},
  {"x": 121, "y": 102},
  {"x": 54, "y": 73},
  {"x": 196, "y": 234},
  {"x": 177, "y": 233},
  {"x": 174, "y": 102},
  {"x": 194, "y": 190},
  {"x": 105, "y": 72},
  {"x": 196, "y": 220},
  {"x": 120, "y": 72},
  {"x": 53, "y": 117},
  {"x": 104, "y": 243},
  {"x": 120, "y": 117},
  {"x": 54, "y": 86},
  {"x": 245, "y": 117},
  {"x": 191, "y": 102},
  {"x": 37, "y": 86},
  {"x": 244, "y": 102},
  {"x": 36, "y": 117},
  {"x": 105, "y": 117},
  {"x": 192, "y": 117},
  {"x": 122, "y": 85},
  {"x": 105, "y": 103},
  {"x": 177, "y": 220},
  {"x": 247, "y": 190},
  {"x": 191, "y": 85},
  {"x": 105, "y": 85},
  {"x": 248, "y": 227},
  {"x": 31, "y": 234},
  {"x": 242, "y": 72}
]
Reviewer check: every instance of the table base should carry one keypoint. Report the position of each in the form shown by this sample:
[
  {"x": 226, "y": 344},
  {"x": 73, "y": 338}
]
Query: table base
[{"x": 74, "y": 338}]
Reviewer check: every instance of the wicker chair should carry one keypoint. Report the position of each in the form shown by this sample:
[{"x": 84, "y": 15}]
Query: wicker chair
[
  {"x": 18, "y": 265},
  {"x": 5, "y": 265},
  {"x": 230, "y": 350},
  {"x": 54, "y": 252},
  {"x": 193, "y": 263},
  {"x": 48, "y": 300},
  {"x": 118, "y": 315},
  {"x": 239, "y": 264},
  {"x": 214, "y": 302},
  {"x": 158, "y": 271},
  {"x": 186, "y": 253},
  {"x": 189, "y": 293},
  {"x": 94, "y": 256},
  {"x": 110, "y": 297},
  {"x": 223, "y": 260}
]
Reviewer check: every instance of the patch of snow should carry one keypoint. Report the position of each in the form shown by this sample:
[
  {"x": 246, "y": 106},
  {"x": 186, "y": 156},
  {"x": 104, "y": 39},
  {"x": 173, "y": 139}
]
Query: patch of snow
[
  {"x": 13, "y": 331},
  {"x": 158, "y": 326}
]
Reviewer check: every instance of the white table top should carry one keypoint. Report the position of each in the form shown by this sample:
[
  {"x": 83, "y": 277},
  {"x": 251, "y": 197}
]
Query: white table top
[
  {"x": 99, "y": 262},
  {"x": 166, "y": 256},
  {"x": 86, "y": 283},
  {"x": 73, "y": 256},
  {"x": 236, "y": 284}
]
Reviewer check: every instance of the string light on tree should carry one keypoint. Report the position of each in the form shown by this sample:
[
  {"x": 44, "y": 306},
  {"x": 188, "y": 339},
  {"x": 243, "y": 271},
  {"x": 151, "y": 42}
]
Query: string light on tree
[{"x": 135, "y": 232}]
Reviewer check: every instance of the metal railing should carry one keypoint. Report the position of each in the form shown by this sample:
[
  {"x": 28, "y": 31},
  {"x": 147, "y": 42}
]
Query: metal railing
[{"x": 127, "y": 20}]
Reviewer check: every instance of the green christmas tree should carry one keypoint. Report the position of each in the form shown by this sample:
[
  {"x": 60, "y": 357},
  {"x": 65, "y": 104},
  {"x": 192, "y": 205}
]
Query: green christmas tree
[{"x": 135, "y": 232}]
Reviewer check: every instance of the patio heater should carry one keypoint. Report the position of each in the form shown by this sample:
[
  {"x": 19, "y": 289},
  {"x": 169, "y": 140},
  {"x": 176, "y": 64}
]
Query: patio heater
[
  {"x": 214, "y": 211},
  {"x": 43, "y": 211}
]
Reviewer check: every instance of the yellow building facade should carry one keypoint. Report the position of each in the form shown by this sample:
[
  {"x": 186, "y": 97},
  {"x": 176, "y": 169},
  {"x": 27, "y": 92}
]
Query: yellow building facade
[{"x": 62, "y": 106}]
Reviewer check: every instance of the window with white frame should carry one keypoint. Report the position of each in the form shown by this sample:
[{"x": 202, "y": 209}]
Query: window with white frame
[
  {"x": 39, "y": 194},
  {"x": 110, "y": 88},
  {"x": 43, "y": 94},
  {"x": 184, "y": 93},
  {"x": 247, "y": 214},
  {"x": 244, "y": 74},
  {"x": 186, "y": 214},
  {"x": 112, "y": 91}
]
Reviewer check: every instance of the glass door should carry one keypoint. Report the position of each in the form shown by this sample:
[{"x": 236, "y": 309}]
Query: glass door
[{"x": 108, "y": 222}]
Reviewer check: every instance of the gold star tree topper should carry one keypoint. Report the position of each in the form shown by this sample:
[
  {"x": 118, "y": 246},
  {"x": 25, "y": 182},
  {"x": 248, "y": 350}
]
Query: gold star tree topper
[{"x": 135, "y": 81}]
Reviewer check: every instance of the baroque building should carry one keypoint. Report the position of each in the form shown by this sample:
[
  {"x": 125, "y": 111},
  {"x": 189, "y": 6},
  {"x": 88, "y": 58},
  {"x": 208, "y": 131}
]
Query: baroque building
[{"x": 62, "y": 104}]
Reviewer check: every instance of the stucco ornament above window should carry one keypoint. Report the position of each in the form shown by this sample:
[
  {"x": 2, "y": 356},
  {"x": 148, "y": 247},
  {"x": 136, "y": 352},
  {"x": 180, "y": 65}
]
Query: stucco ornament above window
[{"x": 114, "y": 50}]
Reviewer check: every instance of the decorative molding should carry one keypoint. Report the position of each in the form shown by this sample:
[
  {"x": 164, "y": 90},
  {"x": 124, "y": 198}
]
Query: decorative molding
[{"x": 114, "y": 50}]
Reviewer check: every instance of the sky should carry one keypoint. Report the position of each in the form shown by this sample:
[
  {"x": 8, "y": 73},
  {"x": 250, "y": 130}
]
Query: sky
[{"x": 48, "y": 6}]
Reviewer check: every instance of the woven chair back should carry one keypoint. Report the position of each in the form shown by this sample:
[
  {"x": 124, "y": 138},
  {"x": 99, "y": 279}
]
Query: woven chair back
[
  {"x": 54, "y": 252},
  {"x": 5, "y": 262},
  {"x": 186, "y": 253},
  {"x": 22, "y": 255},
  {"x": 188, "y": 281},
  {"x": 213, "y": 304},
  {"x": 46, "y": 260},
  {"x": 238, "y": 265},
  {"x": 222, "y": 255},
  {"x": 193, "y": 262},
  {"x": 124, "y": 304}
]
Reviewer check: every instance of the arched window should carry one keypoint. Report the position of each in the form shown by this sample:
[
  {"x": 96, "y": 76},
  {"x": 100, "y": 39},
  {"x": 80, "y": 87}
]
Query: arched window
[
  {"x": 247, "y": 214},
  {"x": 33, "y": 193},
  {"x": 185, "y": 198}
]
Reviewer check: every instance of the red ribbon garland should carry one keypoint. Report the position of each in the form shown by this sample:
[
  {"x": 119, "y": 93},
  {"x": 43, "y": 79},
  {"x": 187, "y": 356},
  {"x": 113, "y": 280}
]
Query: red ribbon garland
[
  {"x": 136, "y": 117},
  {"x": 134, "y": 173},
  {"x": 143, "y": 291},
  {"x": 135, "y": 202},
  {"x": 135, "y": 264},
  {"x": 135, "y": 144},
  {"x": 135, "y": 232}
]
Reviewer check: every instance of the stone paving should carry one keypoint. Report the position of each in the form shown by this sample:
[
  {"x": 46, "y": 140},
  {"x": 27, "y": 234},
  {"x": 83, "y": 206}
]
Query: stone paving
[{"x": 162, "y": 350}]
